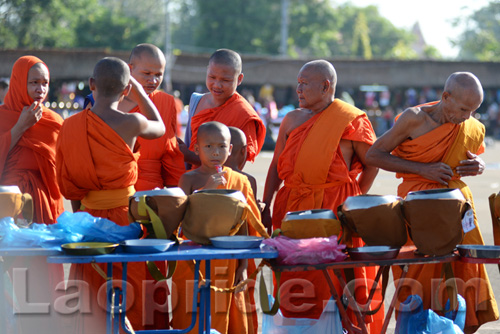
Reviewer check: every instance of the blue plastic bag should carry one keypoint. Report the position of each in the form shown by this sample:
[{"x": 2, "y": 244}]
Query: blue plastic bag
[
  {"x": 96, "y": 228},
  {"x": 329, "y": 322},
  {"x": 413, "y": 319}
]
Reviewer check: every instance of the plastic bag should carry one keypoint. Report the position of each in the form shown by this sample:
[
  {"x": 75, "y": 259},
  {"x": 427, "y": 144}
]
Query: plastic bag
[
  {"x": 96, "y": 228},
  {"x": 307, "y": 251},
  {"x": 36, "y": 235},
  {"x": 413, "y": 319},
  {"x": 328, "y": 322}
]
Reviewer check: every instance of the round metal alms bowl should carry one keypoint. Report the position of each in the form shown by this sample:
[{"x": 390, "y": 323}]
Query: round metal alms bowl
[
  {"x": 89, "y": 248},
  {"x": 373, "y": 253},
  {"x": 236, "y": 241},
  {"x": 479, "y": 251}
]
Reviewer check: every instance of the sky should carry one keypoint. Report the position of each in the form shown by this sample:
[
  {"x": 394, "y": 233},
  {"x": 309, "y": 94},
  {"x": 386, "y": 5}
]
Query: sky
[{"x": 434, "y": 17}]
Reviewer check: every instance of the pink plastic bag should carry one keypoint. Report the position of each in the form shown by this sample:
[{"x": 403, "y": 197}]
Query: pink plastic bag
[{"x": 307, "y": 251}]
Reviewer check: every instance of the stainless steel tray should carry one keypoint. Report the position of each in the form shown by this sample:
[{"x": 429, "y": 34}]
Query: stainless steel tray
[
  {"x": 373, "y": 253},
  {"x": 479, "y": 251}
]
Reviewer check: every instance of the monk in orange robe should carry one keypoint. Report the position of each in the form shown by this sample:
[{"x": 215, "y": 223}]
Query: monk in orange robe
[
  {"x": 319, "y": 155},
  {"x": 223, "y": 104},
  {"x": 213, "y": 148},
  {"x": 97, "y": 169},
  {"x": 28, "y": 135},
  {"x": 434, "y": 146}
]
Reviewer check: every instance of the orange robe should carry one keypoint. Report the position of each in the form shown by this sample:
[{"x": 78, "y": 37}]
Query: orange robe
[
  {"x": 237, "y": 112},
  {"x": 30, "y": 165},
  {"x": 222, "y": 275},
  {"x": 302, "y": 190},
  {"x": 449, "y": 143},
  {"x": 96, "y": 166},
  {"x": 161, "y": 163}
]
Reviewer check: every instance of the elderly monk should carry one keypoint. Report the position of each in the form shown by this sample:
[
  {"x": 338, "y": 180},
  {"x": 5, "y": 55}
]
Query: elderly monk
[
  {"x": 320, "y": 156},
  {"x": 97, "y": 169},
  {"x": 223, "y": 104},
  {"x": 28, "y": 135},
  {"x": 433, "y": 146}
]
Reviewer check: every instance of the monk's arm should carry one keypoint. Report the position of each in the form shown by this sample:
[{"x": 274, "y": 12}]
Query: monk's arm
[
  {"x": 185, "y": 183},
  {"x": 76, "y": 205},
  {"x": 155, "y": 127},
  {"x": 189, "y": 156},
  {"x": 379, "y": 155},
  {"x": 369, "y": 173},
  {"x": 29, "y": 116}
]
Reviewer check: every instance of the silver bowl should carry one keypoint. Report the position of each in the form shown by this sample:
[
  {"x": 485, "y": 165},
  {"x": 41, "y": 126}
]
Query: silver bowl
[
  {"x": 368, "y": 201},
  {"x": 228, "y": 192},
  {"x": 174, "y": 191},
  {"x": 479, "y": 251},
  {"x": 10, "y": 189},
  {"x": 445, "y": 193},
  {"x": 373, "y": 253},
  {"x": 310, "y": 214}
]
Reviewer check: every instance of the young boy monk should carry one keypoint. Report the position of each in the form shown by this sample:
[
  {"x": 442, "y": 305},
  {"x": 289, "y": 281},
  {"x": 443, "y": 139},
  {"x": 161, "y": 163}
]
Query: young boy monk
[
  {"x": 96, "y": 163},
  {"x": 213, "y": 148}
]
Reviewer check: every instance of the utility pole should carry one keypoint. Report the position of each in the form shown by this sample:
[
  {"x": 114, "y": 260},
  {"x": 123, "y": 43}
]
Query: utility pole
[
  {"x": 167, "y": 78},
  {"x": 284, "y": 28}
]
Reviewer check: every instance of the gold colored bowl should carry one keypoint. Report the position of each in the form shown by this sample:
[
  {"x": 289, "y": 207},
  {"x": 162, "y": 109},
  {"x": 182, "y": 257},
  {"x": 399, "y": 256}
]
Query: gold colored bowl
[{"x": 89, "y": 248}]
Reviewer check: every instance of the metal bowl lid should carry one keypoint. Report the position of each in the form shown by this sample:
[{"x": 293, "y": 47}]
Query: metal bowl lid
[
  {"x": 445, "y": 193},
  {"x": 368, "y": 201},
  {"x": 310, "y": 214},
  {"x": 174, "y": 191},
  {"x": 228, "y": 192},
  {"x": 10, "y": 189}
]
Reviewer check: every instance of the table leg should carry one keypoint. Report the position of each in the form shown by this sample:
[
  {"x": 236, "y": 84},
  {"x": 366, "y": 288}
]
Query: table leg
[
  {"x": 109, "y": 307},
  {"x": 208, "y": 318},
  {"x": 394, "y": 298},
  {"x": 3, "y": 314},
  {"x": 346, "y": 322},
  {"x": 352, "y": 301}
]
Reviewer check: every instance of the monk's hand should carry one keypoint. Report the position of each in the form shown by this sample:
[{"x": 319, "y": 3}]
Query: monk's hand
[
  {"x": 30, "y": 116},
  {"x": 267, "y": 220},
  {"x": 215, "y": 180},
  {"x": 472, "y": 166},
  {"x": 437, "y": 171},
  {"x": 137, "y": 92}
]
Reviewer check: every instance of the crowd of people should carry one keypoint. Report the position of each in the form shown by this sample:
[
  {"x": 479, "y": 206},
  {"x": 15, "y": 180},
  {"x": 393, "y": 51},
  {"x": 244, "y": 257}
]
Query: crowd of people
[{"x": 126, "y": 140}]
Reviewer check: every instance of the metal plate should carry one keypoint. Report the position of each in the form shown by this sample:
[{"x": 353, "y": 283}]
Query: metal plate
[
  {"x": 373, "y": 253},
  {"x": 236, "y": 241},
  {"x": 89, "y": 248},
  {"x": 479, "y": 251},
  {"x": 145, "y": 246}
]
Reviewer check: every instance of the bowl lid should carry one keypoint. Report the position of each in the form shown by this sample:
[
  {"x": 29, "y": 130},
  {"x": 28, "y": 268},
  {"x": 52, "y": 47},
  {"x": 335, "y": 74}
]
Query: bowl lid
[
  {"x": 442, "y": 193},
  {"x": 10, "y": 189},
  {"x": 368, "y": 201},
  {"x": 174, "y": 191},
  {"x": 310, "y": 214},
  {"x": 229, "y": 192}
]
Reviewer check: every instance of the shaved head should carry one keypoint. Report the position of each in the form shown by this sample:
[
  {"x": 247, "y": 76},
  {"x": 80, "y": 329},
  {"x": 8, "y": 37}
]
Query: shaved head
[
  {"x": 146, "y": 50},
  {"x": 228, "y": 58},
  {"x": 460, "y": 82},
  {"x": 238, "y": 138},
  {"x": 210, "y": 128},
  {"x": 323, "y": 68},
  {"x": 111, "y": 76}
]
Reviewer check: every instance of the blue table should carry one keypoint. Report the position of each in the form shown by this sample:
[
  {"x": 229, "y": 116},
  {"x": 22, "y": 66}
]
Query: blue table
[{"x": 184, "y": 251}]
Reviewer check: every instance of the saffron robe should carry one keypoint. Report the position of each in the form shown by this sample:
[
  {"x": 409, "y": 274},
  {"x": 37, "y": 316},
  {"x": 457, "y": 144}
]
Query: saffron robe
[
  {"x": 222, "y": 276},
  {"x": 30, "y": 165},
  {"x": 237, "y": 112},
  {"x": 96, "y": 166},
  {"x": 304, "y": 190},
  {"x": 161, "y": 162},
  {"x": 449, "y": 143}
]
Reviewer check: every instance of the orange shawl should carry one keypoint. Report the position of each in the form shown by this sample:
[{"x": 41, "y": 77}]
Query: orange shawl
[
  {"x": 30, "y": 164},
  {"x": 316, "y": 177},
  {"x": 161, "y": 163},
  {"x": 449, "y": 144},
  {"x": 225, "y": 310},
  {"x": 237, "y": 112}
]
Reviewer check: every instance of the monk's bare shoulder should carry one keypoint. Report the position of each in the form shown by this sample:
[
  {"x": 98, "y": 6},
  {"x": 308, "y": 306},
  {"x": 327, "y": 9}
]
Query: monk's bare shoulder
[
  {"x": 416, "y": 121},
  {"x": 294, "y": 119}
]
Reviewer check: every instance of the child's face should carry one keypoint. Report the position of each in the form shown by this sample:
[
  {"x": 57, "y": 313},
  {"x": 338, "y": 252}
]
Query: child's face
[{"x": 213, "y": 149}]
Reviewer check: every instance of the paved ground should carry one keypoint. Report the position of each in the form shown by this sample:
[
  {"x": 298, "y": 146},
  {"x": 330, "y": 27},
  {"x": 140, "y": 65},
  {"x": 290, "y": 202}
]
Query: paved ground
[{"x": 482, "y": 186}]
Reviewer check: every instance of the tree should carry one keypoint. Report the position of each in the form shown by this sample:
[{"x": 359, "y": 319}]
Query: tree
[{"x": 481, "y": 38}]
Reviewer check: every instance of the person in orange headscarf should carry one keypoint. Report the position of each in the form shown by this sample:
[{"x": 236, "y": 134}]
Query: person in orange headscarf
[
  {"x": 97, "y": 169},
  {"x": 223, "y": 104},
  {"x": 433, "y": 146},
  {"x": 228, "y": 314},
  {"x": 320, "y": 156},
  {"x": 28, "y": 134}
]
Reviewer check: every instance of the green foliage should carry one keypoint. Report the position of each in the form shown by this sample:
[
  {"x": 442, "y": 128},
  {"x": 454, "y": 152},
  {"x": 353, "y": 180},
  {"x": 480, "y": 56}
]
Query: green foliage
[{"x": 481, "y": 38}]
